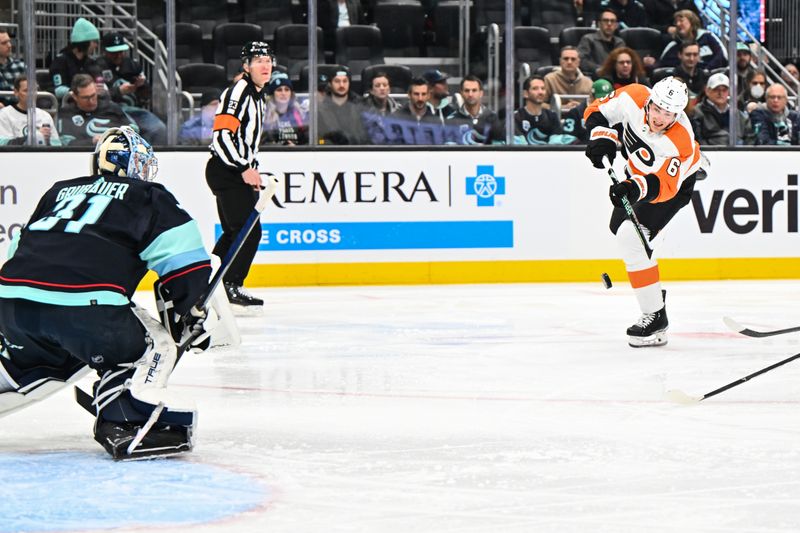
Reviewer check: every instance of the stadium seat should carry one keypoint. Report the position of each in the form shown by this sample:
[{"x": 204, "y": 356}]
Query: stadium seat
[
  {"x": 358, "y": 47},
  {"x": 228, "y": 41},
  {"x": 328, "y": 70},
  {"x": 188, "y": 42},
  {"x": 269, "y": 14},
  {"x": 291, "y": 47},
  {"x": 532, "y": 46},
  {"x": 197, "y": 77},
  {"x": 646, "y": 41},
  {"x": 401, "y": 27},
  {"x": 399, "y": 77},
  {"x": 488, "y": 12},
  {"x": 447, "y": 18},
  {"x": 661, "y": 73},
  {"x": 205, "y": 13},
  {"x": 572, "y": 36},
  {"x": 545, "y": 70},
  {"x": 555, "y": 15}
]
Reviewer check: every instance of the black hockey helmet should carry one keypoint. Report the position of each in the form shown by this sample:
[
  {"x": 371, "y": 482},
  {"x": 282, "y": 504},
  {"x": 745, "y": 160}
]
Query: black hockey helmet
[{"x": 256, "y": 49}]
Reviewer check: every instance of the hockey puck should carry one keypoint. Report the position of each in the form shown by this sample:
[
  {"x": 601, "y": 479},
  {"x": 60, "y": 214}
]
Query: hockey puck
[{"x": 606, "y": 280}]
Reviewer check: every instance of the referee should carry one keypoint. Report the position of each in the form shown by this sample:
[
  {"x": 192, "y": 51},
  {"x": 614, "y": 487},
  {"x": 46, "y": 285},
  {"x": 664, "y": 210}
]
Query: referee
[{"x": 232, "y": 171}]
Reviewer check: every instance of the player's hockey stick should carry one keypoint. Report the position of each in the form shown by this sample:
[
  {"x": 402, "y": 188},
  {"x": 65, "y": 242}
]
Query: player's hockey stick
[
  {"x": 681, "y": 397},
  {"x": 629, "y": 209},
  {"x": 202, "y": 302},
  {"x": 738, "y": 328}
]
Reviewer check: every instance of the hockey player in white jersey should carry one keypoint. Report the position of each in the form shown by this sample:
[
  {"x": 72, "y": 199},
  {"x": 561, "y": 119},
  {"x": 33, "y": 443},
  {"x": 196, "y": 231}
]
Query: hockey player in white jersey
[{"x": 662, "y": 162}]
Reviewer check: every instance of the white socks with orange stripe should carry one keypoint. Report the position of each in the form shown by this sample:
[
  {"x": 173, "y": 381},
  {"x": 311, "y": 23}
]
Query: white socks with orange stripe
[{"x": 642, "y": 271}]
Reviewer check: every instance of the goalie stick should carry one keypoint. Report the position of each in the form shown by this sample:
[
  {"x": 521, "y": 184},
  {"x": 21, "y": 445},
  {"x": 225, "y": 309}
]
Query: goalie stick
[
  {"x": 629, "y": 210},
  {"x": 678, "y": 396},
  {"x": 738, "y": 328}
]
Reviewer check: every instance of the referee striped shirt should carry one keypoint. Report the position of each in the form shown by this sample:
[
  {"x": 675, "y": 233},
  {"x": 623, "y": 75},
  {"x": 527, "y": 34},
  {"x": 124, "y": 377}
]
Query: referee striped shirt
[{"x": 238, "y": 124}]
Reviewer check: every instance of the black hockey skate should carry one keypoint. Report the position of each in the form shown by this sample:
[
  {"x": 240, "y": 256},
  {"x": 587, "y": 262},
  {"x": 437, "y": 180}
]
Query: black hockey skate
[
  {"x": 159, "y": 441},
  {"x": 238, "y": 296},
  {"x": 649, "y": 330}
]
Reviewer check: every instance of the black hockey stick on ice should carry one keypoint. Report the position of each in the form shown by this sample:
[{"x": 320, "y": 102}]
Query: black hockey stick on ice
[
  {"x": 738, "y": 328},
  {"x": 629, "y": 209},
  {"x": 681, "y": 397}
]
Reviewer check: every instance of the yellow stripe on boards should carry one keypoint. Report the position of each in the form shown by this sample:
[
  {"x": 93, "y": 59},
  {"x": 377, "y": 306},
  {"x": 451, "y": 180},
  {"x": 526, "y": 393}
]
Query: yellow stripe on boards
[{"x": 442, "y": 272}]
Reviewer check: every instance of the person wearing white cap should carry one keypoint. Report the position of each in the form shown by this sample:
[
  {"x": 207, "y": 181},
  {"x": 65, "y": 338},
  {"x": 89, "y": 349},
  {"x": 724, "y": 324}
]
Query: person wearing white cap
[
  {"x": 711, "y": 117},
  {"x": 76, "y": 57}
]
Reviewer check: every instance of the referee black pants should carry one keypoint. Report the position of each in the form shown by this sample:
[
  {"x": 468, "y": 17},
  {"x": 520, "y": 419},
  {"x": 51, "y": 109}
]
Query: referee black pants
[{"x": 235, "y": 201}]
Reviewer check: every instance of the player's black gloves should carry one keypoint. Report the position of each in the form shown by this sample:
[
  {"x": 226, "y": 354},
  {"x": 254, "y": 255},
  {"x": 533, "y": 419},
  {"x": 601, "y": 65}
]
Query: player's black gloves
[
  {"x": 602, "y": 143},
  {"x": 624, "y": 189}
]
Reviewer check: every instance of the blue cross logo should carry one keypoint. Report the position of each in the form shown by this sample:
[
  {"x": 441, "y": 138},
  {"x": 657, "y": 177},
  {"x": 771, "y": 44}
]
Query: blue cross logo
[{"x": 485, "y": 185}]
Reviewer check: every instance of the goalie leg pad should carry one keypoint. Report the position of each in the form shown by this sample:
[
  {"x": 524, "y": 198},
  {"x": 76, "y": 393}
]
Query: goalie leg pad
[
  {"x": 133, "y": 404},
  {"x": 33, "y": 385}
]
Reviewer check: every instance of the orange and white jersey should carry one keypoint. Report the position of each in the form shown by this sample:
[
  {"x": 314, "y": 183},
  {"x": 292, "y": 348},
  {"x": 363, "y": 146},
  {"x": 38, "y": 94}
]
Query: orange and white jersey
[{"x": 671, "y": 155}]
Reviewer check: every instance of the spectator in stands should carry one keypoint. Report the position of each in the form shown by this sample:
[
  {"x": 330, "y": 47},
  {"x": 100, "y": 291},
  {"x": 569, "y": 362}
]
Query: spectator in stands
[
  {"x": 83, "y": 121},
  {"x": 568, "y": 79},
  {"x": 285, "y": 122},
  {"x": 479, "y": 123},
  {"x": 127, "y": 86},
  {"x": 535, "y": 125},
  {"x": 10, "y": 68},
  {"x": 379, "y": 100},
  {"x": 594, "y": 48},
  {"x": 744, "y": 67},
  {"x": 339, "y": 115},
  {"x": 755, "y": 90},
  {"x": 622, "y": 67},
  {"x": 333, "y": 14},
  {"x": 711, "y": 117},
  {"x": 440, "y": 93},
  {"x": 712, "y": 53},
  {"x": 689, "y": 71},
  {"x": 14, "y": 120},
  {"x": 661, "y": 14},
  {"x": 197, "y": 131},
  {"x": 418, "y": 121},
  {"x": 776, "y": 124},
  {"x": 792, "y": 76},
  {"x": 76, "y": 57},
  {"x": 631, "y": 13},
  {"x": 572, "y": 121}
]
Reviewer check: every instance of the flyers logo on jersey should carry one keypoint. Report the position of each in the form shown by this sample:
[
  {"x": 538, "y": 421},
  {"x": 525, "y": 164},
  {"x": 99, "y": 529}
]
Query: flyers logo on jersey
[{"x": 635, "y": 145}]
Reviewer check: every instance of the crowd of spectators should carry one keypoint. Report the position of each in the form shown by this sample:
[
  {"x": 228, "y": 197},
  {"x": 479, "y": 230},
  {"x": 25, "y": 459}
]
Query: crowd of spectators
[{"x": 99, "y": 85}]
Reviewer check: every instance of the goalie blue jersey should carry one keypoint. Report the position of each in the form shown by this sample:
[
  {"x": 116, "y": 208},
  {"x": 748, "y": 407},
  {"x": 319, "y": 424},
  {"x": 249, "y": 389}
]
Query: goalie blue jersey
[{"x": 92, "y": 239}]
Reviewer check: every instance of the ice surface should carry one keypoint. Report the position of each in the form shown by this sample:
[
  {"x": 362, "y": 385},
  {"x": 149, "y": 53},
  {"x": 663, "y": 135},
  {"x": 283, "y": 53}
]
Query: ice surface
[{"x": 480, "y": 408}]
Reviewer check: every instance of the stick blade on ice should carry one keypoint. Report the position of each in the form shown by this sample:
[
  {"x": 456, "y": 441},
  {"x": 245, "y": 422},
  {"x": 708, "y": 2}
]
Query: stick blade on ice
[{"x": 678, "y": 396}]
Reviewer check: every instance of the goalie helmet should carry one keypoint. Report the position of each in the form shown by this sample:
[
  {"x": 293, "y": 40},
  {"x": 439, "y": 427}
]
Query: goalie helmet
[
  {"x": 254, "y": 49},
  {"x": 124, "y": 153},
  {"x": 670, "y": 94}
]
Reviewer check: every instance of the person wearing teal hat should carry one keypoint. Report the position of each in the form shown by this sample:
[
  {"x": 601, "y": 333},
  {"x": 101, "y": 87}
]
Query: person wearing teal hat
[{"x": 76, "y": 57}]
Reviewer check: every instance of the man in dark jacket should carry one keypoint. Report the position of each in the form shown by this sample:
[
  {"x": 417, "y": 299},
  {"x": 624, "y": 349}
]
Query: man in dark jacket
[
  {"x": 711, "y": 118},
  {"x": 84, "y": 121},
  {"x": 127, "y": 86},
  {"x": 776, "y": 124},
  {"x": 339, "y": 114},
  {"x": 76, "y": 58},
  {"x": 594, "y": 48}
]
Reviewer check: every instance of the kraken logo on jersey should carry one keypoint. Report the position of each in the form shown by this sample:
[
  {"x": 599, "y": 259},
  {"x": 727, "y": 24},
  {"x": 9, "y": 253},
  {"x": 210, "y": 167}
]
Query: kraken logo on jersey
[
  {"x": 122, "y": 152},
  {"x": 635, "y": 145}
]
